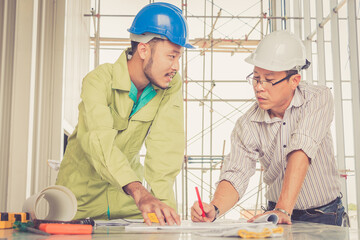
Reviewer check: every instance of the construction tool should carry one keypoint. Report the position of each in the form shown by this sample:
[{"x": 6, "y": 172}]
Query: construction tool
[
  {"x": 87, "y": 221},
  {"x": 7, "y": 219},
  {"x": 153, "y": 218},
  {"x": 59, "y": 228},
  {"x": 28, "y": 227}
]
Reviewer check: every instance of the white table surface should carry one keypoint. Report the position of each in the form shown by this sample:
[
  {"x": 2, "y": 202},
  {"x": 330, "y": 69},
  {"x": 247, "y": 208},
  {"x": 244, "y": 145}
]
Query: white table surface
[{"x": 296, "y": 231}]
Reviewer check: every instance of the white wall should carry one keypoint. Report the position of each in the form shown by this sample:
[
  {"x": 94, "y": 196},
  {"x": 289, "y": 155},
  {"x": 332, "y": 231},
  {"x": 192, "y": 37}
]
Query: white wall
[
  {"x": 77, "y": 45},
  {"x": 38, "y": 50}
]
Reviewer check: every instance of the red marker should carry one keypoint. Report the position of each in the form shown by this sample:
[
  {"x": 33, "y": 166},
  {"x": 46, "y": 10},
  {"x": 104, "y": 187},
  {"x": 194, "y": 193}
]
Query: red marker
[{"x": 199, "y": 200}]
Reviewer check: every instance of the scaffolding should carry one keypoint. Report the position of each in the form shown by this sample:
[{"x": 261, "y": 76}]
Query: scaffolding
[{"x": 303, "y": 17}]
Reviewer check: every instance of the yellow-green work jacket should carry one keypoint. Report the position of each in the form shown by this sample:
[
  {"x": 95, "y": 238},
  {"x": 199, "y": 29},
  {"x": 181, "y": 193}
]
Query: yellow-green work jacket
[{"x": 102, "y": 154}]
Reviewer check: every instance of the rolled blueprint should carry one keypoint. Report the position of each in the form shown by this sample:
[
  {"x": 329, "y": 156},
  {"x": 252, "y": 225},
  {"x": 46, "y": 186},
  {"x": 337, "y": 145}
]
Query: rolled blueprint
[{"x": 62, "y": 204}]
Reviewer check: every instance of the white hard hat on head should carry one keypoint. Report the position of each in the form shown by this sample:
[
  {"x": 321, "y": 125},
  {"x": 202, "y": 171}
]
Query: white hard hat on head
[{"x": 279, "y": 51}]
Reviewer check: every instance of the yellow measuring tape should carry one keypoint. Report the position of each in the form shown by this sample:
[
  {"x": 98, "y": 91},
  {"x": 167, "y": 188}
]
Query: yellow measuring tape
[{"x": 266, "y": 232}]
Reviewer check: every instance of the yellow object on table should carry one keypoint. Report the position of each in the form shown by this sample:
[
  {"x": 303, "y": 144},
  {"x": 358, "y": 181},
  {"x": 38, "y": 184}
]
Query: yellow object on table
[
  {"x": 7, "y": 219},
  {"x": 153, "y": 218},
  {"x": 266, "y": 232}
]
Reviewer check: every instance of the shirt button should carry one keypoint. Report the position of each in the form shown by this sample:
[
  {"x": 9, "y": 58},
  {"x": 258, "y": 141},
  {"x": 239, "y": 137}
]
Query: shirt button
[
  {"x": 284, "y": 146},
  {"x": 284, "y": 123}
]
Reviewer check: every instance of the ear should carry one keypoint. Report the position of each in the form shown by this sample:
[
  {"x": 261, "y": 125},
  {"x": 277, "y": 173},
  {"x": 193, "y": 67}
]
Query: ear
[
  {"x": 295, "y": 80},
  {"x": 144, "y": 50}
]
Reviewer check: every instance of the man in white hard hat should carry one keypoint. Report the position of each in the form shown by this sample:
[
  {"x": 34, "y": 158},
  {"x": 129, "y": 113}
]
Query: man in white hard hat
[{"x": 288, "y": 131}]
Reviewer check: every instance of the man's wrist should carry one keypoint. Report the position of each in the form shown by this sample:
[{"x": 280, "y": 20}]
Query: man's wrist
[
  {"x": 135, "y": 190},
  {"x": 283, "y": 211},
  {"x": 217, "y": 212}
]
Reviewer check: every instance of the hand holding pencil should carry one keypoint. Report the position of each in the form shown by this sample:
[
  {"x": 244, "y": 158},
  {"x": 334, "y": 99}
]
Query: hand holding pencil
[{"x": 202, "y": 212}]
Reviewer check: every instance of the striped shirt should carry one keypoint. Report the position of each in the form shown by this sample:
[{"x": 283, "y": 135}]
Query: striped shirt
[{"x": 306, "y": 126}]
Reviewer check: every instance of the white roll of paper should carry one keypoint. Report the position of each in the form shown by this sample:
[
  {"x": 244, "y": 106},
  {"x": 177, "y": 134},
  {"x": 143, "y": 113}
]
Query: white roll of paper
[{"x": 61, "y": 203}]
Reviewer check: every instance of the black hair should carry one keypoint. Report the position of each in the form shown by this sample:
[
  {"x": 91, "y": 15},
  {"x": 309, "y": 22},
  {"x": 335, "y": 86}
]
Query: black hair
[{"x": 134, "y": 46}]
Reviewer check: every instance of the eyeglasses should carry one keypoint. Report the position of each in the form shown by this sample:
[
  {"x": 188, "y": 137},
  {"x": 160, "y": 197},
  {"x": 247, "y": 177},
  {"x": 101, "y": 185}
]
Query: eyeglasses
[{"x": 265, "y": 84}]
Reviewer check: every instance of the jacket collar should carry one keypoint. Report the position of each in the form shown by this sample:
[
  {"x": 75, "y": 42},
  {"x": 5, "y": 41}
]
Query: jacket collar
[{"x": 121, "y": 76}]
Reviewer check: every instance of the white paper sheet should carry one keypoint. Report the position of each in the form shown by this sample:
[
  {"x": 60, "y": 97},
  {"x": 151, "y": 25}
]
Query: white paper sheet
[
  {"x": 271, "y": 217},
  {"x": 188, "y": 225}
]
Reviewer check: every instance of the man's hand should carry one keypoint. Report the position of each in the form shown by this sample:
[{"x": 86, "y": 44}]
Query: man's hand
[
  {"x": 225, "y": 198},
  {"x": 283, "y": 218},
  {"x": 196, "y": 212},
  {"x": 147, "y": 203}
]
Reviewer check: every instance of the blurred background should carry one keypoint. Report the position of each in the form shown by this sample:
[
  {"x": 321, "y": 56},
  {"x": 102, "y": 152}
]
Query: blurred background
[{"x": 47, "y": 47}]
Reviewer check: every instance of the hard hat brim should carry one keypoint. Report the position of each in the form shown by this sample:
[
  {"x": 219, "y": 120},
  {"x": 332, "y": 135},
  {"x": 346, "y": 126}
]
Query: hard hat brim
[{"x": 188, "y": 45}]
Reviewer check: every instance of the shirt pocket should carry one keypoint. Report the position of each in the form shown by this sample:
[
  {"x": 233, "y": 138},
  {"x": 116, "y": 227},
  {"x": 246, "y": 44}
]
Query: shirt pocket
[
  {"x": 145, "y": 114},
  {"x": 177, "y": 106},
  {"x": 140, "y": 125},
  {"x": 119, "y": 122}
]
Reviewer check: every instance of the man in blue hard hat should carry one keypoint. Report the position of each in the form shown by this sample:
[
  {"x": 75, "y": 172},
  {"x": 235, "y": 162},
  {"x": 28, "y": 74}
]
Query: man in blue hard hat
[{"x": 135, "y": 100}]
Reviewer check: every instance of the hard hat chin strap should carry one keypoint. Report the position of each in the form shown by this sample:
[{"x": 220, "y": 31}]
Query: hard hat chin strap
[{"x": 306, "y": 66}]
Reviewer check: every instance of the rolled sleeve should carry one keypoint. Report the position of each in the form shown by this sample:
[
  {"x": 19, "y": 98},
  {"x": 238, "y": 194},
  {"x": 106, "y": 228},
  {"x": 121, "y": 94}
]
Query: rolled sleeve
[
  {"x": 303, "y": 142},
  {"x": 313, "y": 124}
]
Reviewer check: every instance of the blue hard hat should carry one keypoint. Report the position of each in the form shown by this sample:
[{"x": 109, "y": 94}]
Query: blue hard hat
[{"x": 163, "y": 19}]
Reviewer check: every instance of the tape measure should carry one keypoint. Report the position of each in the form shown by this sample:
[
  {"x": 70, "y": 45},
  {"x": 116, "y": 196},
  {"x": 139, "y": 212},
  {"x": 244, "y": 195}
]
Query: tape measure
[
  {"x": 7, "y": 219},
  {"x": 153, "y": 218}
]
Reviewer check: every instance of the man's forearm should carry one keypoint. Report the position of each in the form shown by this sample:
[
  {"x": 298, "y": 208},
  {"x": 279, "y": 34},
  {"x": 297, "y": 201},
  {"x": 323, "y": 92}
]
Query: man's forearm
[
  {"x": 296, "y": 169},
  {"x": 147, "y": 203},
  {"x": 225, "y": 196}
]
